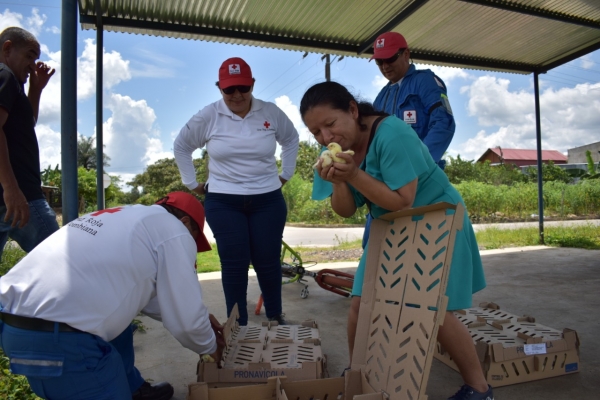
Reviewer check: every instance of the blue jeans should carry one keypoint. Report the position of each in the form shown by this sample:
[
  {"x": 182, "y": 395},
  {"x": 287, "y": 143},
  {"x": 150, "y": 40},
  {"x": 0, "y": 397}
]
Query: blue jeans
[
  {"x": 91, "y": 367},
  {"x": 42, "y": 223},
  {"x": 248, "y": 229}
]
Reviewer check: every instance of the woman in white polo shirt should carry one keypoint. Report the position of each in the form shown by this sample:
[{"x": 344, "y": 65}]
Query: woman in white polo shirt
[{"x": 244, "y": 205}]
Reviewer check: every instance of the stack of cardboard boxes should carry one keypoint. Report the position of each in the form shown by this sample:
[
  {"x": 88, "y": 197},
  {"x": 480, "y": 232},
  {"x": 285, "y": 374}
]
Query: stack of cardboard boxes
[
  {"x": 515, "y": 349},
  {"x": 402, "y": 306}
]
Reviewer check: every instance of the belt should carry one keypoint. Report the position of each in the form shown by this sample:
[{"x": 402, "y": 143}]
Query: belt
[{"x": 34, "y": 324}]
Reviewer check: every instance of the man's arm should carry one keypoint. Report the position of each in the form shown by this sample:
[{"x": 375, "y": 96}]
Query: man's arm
[
  {"x": 440, "y": 133},
  {"x": 37, "y": 83},
  {"x": 17, "y": 207}
]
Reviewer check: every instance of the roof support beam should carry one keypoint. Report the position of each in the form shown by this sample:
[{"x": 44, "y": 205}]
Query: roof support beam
[
  {"x": 68, "y": 110},
  {"x": 536, "y": 12},
  {"x": 99, "y": 108},
  {"x": 201, "y": 30},
  {"x": 489, "y": 63},
  {"x": 538, "y": 140},
  {"x": 408, "y": 11}
]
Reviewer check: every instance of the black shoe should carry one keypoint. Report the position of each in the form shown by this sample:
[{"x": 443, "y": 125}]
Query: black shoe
[
  {"x": 279, "y": 319},
  {"x": 160, "y": 391}
]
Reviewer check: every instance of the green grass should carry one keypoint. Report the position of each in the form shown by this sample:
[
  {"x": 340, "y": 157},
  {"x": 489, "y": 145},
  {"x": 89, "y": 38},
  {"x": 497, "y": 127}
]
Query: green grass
[
  {"x": 208, "y": 261},
  {"x": 581, "y": 236}
]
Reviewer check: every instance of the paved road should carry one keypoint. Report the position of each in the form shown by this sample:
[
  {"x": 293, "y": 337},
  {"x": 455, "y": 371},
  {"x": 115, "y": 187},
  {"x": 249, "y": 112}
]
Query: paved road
[{"x": 324, "y": 237}]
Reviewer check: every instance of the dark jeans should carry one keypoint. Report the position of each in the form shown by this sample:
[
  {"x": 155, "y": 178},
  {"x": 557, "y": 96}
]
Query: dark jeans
[
  {"x": 248, "y": 229},
  {"x": 42, "y": 223},
  {"x": 73, "y": 365}
]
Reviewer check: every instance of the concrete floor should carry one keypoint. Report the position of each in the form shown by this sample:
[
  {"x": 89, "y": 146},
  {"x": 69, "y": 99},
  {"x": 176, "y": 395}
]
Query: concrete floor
[{"x": 558, "y": 286}]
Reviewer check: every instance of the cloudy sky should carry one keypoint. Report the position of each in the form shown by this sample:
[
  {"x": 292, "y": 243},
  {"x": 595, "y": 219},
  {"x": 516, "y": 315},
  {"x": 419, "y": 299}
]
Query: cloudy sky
[{"x": 152, "y": 86}]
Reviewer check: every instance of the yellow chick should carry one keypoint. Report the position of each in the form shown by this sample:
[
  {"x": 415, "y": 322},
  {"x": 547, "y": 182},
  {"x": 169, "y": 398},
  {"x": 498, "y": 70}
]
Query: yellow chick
[
  {"x": 207, "y": 358},
  {"x": 326, "y": 157},
  {"x": 335, "y": 148}
]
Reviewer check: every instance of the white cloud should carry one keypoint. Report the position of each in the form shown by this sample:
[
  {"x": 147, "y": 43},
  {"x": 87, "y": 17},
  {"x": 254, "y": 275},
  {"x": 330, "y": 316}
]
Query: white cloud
[
  {"x": 159, "y": 65},
  {"x": 131, "y": 141},
  {"x": 493, "y": 104},
  {"x": 50, "y": 100},
  {"x": 569, "y": 117},
  {"x": 54, "y": 29},
  {"x": 49, "y": 143},
  {"x": 446, "y": 73},
  {"x": 8, "y": 18},
  {"x": 293, "y": 113},
  {"x": 35, "y": 22},
  {"x": 379, "y": 81},
  {"x": 586, "y": 62},
  {"x": 116, "y": 70}
]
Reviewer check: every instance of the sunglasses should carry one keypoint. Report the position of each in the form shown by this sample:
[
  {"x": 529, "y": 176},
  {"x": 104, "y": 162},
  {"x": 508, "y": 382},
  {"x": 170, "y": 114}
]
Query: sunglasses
[
  {"x": 381, "y": 61},
  {"x": 239, "y": 88}
]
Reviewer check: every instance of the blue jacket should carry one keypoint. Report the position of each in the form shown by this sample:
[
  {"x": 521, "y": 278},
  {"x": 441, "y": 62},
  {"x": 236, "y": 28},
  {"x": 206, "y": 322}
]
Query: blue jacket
[{"x": 421, "y": 101}]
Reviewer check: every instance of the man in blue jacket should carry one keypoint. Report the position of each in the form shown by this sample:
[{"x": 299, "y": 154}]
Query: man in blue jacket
[{"x": 418, "y": 97}]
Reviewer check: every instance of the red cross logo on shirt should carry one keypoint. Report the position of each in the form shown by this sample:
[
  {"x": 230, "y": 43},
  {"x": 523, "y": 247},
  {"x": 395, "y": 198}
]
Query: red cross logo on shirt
[
  {"x": 110, "y": 211},
  {"x": 409, "y": 114},
  {"x": 267, "y": 124}
]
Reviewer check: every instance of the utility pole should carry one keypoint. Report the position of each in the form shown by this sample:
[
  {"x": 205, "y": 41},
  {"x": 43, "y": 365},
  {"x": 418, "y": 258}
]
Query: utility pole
[{"x": 327, "y": 59}]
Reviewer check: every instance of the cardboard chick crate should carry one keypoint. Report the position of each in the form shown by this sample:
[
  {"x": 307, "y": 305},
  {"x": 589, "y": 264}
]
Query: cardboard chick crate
[
  {"x": 515, "y": 349},
  {"x": 402, "y": 306},
  {"x": 253, "y": 354}
]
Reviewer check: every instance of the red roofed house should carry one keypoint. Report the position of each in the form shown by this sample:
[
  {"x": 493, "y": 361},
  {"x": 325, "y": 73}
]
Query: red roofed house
[{"x": 521, "y": 157}]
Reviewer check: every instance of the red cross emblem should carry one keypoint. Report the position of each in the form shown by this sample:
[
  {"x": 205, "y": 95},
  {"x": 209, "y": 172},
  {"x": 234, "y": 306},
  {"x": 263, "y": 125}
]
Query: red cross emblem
[
  {"x": 267, "y": 124},
  {"x": 409, "y": 114},
  {"x": 110, "y": 211}
]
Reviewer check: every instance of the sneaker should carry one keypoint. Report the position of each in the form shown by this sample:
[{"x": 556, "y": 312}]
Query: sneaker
[
  {"x": 280, "y": 319},
  {"x": 466, "y": 392},
  {"x": 159, "y": 391}
]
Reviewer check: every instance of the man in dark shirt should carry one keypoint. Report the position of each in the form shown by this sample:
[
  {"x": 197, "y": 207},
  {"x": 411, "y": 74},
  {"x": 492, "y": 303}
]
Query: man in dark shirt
[{"x": 25, "y": 216}]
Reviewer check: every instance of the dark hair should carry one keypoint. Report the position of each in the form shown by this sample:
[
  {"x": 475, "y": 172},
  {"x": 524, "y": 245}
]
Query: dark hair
[
  {"x": 18, "y": 36},
  {"x": 337, "y": 97},
  {"x": 180, "y": 214}
]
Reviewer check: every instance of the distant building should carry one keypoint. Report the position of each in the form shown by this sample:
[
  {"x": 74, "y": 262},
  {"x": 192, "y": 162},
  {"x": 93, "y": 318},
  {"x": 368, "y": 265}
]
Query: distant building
[
  {"x": 521, "y": 157},
  {"x": 577, "y": 154}
]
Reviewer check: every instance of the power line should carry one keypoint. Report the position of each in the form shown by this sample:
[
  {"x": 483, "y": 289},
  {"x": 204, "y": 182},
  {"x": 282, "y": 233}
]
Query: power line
[
  {"x": 582, "y": 69},
  {"x": 585, "y": 80},
  {"x": 30, "y": 5},
  {"x": 284, "y": 72},
  {"x": 303, "y": 83},
  {"x": 289, "y": 83}
]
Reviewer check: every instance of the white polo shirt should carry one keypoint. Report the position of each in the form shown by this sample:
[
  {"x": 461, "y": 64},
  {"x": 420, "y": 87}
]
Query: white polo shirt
[
  {"x": 241, "y": 150},
  {"x": 99, "y": 271}
]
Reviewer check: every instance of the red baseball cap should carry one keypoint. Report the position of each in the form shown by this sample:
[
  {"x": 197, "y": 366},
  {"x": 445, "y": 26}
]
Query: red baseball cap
[
  {"x": 234, "y": 71},
  {"x": 192, "y": 207},
  {"x": 387, "y": 45}
]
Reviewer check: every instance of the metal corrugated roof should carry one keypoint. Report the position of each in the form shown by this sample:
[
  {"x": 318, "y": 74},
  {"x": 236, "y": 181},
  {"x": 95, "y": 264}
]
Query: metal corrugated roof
[
  {"x": 518, "y": 36},
  {"x": 526, "y": 154}
]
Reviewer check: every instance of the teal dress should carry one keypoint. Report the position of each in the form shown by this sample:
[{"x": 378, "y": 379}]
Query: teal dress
[{"x": 396, "y": 157}]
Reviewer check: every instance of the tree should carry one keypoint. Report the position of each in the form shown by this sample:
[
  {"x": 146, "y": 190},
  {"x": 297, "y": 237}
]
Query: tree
[
  {"x": 86, "y": 153},
  {"x": 307, "y": 156},
  {"x": 163, "y": 177}
]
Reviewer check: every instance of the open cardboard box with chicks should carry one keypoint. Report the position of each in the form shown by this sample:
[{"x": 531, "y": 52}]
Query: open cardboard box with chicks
[
  {"x": 402, "y": 306},
  {"x": 253, "y": 354}
]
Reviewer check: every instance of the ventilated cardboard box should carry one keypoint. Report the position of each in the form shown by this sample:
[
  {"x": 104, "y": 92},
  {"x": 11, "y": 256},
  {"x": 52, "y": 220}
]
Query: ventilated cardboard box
[
  {"x": 515, "y": 349},
  {"x": 402, "y": 306},
  {"x": 255, "y": 353}
]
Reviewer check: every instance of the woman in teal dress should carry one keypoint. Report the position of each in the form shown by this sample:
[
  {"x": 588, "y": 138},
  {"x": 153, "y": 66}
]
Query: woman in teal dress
[{"x": 391, "y": 170}]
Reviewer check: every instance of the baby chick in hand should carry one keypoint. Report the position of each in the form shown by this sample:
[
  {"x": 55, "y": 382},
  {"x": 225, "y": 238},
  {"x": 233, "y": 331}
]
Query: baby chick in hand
[
  {"x": 329, "y": 155},
  {"x": 335, "y": 148}
]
